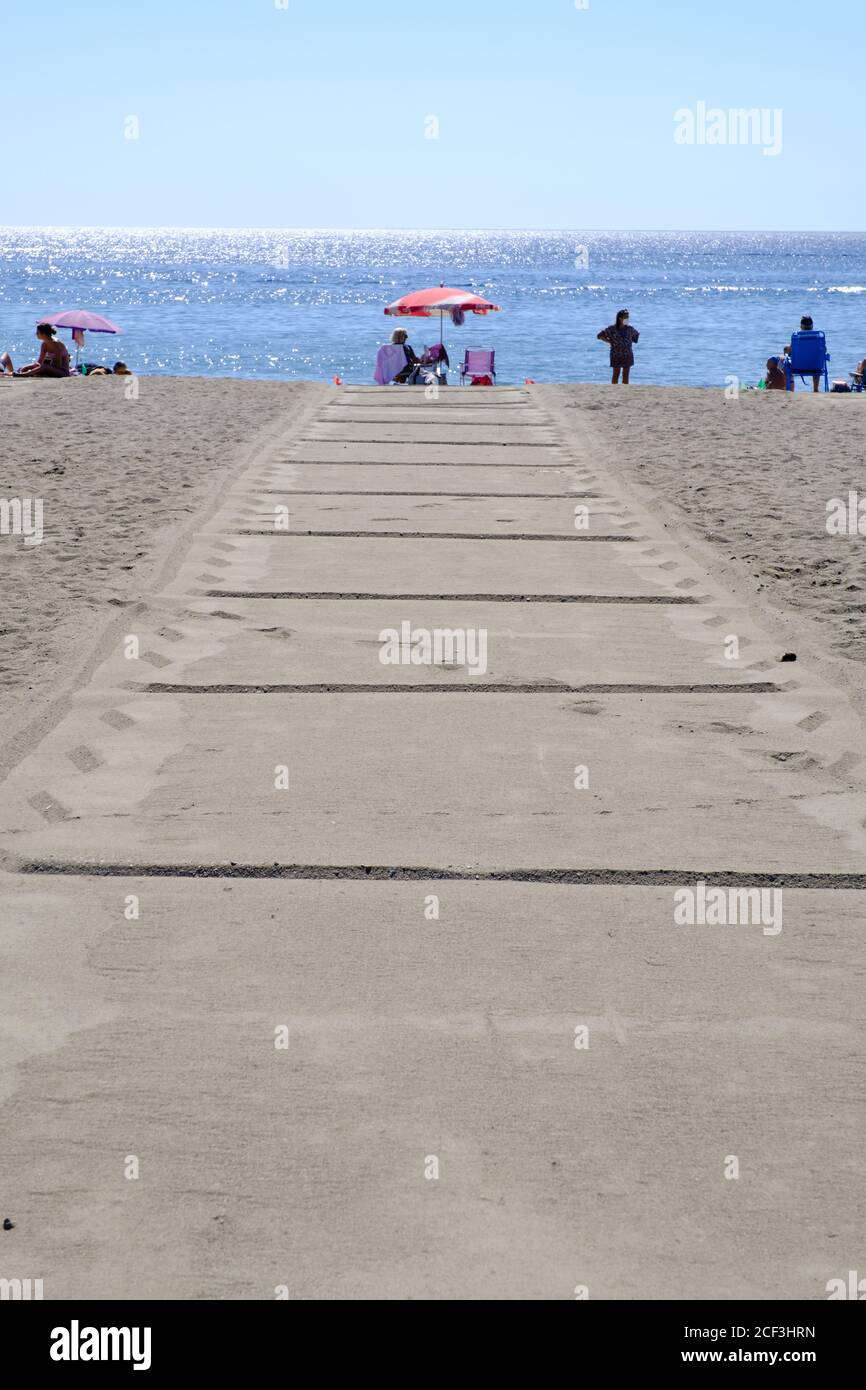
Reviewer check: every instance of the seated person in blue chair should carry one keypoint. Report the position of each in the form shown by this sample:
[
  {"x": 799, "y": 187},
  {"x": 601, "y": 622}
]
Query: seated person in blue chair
[{"x": 807, "y": 326}]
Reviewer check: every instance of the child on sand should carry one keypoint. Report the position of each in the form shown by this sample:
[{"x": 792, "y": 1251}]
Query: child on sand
[{"x": 775, "y": 379}]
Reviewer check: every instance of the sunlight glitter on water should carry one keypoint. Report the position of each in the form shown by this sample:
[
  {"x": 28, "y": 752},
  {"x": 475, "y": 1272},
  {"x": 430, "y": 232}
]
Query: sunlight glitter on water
[{"x": 309, "y": 303}]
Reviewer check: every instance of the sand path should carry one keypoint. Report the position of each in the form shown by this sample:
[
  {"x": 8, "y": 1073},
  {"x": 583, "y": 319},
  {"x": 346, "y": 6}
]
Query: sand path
[{"x": 439, "y": 918}]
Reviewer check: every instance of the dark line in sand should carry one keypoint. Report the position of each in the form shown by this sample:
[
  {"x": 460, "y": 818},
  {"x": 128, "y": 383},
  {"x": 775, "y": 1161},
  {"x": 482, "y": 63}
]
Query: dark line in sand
[
  {"x": 433, "y": 421},
  {"x": 454, "y": 398},
  {"x": 444, "y": 443},
  {"x": 311, "y": 594},
  {"x": 610, "y": 878},
  {"x": 402, "y": 463},
  {"x": 448, "y": 399},
  {"x": 458, "y": 688},
  {"x": 455, "y": 496},
  {"x": 446, "y": 403},
  {"x": 275, "y": 534}
]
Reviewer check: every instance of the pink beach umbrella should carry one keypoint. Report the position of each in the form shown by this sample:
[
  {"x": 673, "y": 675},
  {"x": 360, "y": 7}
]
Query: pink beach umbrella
[
  {"x": 424, "y": 304},
  {"x": 80, "y": 321}
]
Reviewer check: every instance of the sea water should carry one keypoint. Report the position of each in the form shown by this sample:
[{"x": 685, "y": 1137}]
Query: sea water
[{"x": 309, "y": 304}]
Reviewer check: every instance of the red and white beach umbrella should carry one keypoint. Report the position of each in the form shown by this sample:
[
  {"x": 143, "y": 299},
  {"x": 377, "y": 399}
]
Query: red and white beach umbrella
[{"x": 424, "y": 304}]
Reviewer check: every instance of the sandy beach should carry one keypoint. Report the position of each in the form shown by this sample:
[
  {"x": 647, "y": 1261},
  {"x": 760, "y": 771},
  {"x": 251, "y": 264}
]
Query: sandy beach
[
  {"x": 119, "y": 479},
  {"x": 750, "y": 478},
  {"x": 122, "y": 479},
  {"x": 432, "y": 700},
  {"x": 355, "y": 978}
]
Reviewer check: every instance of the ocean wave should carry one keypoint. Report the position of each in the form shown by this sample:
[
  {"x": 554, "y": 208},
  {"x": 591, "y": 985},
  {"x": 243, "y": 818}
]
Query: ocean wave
[
  {"x": 847, "y": 289},
  {"x": 729, "y": 289}
]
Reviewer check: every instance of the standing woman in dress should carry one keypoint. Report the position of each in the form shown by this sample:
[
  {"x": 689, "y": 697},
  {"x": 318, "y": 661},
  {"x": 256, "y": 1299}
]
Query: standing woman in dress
[{"x": 621, "y": 337}]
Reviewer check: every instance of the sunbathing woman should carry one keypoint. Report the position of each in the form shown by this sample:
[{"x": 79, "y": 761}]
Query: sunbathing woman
[{"x": 53, "y": 356}]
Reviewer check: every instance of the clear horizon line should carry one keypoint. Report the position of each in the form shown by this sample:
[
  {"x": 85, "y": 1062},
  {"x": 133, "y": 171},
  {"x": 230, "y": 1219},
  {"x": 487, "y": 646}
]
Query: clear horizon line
[{"x": 437, "y": 231}]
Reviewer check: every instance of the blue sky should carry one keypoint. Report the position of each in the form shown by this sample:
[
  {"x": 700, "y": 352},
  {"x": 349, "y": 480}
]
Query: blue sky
[{"x": 316, "y": 114}]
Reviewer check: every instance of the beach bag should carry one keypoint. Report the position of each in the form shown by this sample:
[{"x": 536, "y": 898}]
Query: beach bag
[{"x": 421, "y": 376}]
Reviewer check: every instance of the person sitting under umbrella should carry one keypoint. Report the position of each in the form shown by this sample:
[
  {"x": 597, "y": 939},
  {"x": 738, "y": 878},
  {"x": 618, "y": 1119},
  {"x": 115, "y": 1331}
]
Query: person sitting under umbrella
[
  {"x": 401, "y": 338},
  {"x": 456, "y": 303},
  {"x": 53, "y": 356}
]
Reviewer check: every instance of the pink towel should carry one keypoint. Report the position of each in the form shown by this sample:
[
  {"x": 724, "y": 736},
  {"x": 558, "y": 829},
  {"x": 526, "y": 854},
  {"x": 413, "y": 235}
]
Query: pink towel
[{"x": 390, "y": 361}]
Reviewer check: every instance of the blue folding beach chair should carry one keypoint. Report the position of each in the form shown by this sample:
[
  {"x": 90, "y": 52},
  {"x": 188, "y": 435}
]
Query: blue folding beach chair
[{"x": 808, "y": 357}]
